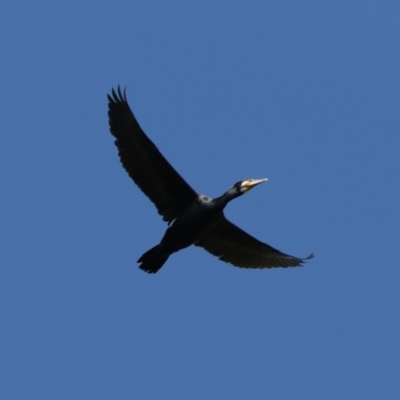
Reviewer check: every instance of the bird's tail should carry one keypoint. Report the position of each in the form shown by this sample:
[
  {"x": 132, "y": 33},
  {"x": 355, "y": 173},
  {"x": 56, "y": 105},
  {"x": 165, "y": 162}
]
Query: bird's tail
[{"x": 153, "y": 260}]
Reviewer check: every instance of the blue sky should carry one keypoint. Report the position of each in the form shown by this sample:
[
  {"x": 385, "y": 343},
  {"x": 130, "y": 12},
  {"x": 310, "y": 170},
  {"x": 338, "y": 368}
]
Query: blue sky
[{"x": 304, "y": 93}]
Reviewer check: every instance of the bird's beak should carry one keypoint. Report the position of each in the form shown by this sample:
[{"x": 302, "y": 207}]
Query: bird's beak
[{"x": 250, "y": 183}]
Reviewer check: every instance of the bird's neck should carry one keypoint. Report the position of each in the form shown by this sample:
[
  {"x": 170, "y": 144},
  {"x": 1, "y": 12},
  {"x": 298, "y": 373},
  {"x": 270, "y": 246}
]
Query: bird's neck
[{"x": 227, "y": 197}]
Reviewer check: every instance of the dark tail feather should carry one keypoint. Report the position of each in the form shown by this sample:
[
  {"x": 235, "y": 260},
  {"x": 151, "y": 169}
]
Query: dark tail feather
[{"x": 153, "y": 260}]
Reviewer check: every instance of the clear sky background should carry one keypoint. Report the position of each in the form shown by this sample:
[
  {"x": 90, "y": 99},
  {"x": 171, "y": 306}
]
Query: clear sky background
[{"x": 306, "y": 93}]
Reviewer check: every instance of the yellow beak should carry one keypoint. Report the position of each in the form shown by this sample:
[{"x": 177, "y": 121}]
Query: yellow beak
[{"x": 250, "y": 183}]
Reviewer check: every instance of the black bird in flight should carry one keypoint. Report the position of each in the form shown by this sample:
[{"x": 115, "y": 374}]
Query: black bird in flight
[{"x": 192, "y": 218}]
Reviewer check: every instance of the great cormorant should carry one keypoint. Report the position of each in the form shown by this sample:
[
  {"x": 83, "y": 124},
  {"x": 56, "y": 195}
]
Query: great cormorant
[{"x": 192, "y": 218}]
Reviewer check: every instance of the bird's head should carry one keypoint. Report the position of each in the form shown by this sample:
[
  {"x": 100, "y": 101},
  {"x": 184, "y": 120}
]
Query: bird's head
[
  {"x": 247, "y": 184},
  {"x": 240, "y": 188}
]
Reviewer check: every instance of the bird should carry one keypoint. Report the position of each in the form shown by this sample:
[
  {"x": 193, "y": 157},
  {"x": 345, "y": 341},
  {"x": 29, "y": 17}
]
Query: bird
[{"x": 192, "y": 218}]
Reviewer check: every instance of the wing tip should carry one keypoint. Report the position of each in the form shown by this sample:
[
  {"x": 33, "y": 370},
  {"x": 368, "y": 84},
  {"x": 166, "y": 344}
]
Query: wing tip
[
  {"x": 312, "y": 255},
  {"x": 305, "y": 259},
  {"x": 117, "y": 95}
]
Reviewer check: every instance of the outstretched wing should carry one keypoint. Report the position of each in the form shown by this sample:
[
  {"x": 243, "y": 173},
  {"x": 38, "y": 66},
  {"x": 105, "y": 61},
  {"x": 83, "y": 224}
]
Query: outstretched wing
[
  {"x": 144, "y": 163},
  {"x": 233, "y": 245}
]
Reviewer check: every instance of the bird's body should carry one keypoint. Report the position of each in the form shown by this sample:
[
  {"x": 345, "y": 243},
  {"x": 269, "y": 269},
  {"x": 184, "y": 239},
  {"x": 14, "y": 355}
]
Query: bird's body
[
  {"x": 194, "y": 222},
  {"x": 192, "y": 218},
  {"x": 199, "y": 216}
]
